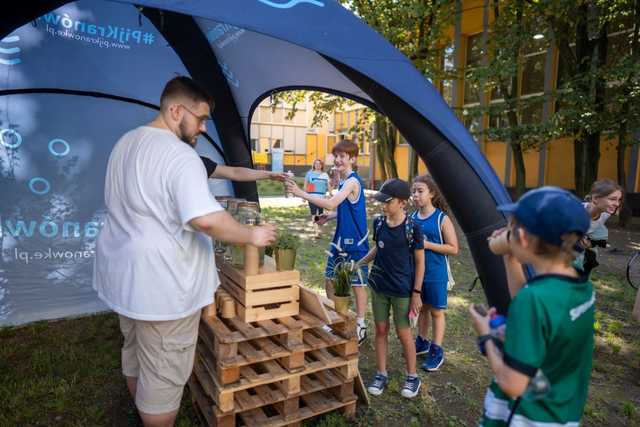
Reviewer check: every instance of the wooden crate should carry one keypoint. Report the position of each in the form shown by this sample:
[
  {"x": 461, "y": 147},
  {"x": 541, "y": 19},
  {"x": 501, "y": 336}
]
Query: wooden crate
[
  {"x": 268, "y": 295},
  {"x": 226, "y": 335},
  {"x": 289, "y": 355},
  {"x": 267, "y": 405},
  {"x": 268, "y": 372}
]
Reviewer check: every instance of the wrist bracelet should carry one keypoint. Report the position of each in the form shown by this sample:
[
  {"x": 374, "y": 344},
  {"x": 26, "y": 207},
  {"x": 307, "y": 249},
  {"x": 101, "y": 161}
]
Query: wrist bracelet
[
  {"x": 417, "y": 291},
  {"x": 482, "y": 343}
]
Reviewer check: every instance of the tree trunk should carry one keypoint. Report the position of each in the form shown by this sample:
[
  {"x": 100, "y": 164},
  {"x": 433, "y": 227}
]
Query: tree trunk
[
  {"x": 413, "y": 163},
  {"x": 587, "y": 147},
  {"x": 380, "y": 153},
  {"x": 518, "y": 161},
  {"x": 625, "y": 209}
]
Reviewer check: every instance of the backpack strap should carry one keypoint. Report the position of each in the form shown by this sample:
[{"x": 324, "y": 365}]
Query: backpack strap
[
  {"x": 408, "y": 230},
  {"x": 377, "y": 226}
]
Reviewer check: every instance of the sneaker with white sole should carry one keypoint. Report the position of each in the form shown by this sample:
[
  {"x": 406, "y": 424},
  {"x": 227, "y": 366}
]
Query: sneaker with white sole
[
  {"x": 435, "y": 358},
  {"x": 422, "y": 345},
  {"x": 411, "y": 387},
  {"x": 378, "y": 384},
  {"x": 361, "y": 332}
]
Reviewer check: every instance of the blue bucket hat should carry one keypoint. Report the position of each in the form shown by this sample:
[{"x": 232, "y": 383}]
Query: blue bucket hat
[{"x": 549, "y": 213}]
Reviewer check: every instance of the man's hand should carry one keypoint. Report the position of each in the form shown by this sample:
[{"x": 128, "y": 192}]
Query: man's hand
[
  {"x": 322, "y": 219},
  {"x": 416, "y": 304},
  {"x": 480, "y": 322},
  {"x": 277, "y": 176},
  {"x": 263, "y": 235}
]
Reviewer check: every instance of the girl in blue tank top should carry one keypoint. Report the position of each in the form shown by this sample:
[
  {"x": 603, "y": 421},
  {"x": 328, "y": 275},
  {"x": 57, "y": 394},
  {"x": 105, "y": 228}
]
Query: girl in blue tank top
[{"x": 440, "y": 241}]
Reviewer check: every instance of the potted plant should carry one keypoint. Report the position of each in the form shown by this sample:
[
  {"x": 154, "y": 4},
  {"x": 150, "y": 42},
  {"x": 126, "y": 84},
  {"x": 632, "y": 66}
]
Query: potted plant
[
  {"x": 343, "y": 271},
  {"x": 285, "y": 249}
]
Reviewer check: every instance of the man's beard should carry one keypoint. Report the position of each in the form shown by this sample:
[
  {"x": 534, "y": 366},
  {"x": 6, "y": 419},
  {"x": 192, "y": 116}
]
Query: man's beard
[{"x": 184, "y": 135}]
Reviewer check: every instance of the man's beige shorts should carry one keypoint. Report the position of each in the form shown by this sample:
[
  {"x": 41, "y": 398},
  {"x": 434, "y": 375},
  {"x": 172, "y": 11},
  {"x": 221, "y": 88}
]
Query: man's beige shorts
[{"x": 160, "y": 355}]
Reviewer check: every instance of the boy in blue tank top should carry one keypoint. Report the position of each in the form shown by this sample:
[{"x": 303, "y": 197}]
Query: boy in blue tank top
[
  {"x": 440, "y": 241},
  {"x": 351, "y": 238}
]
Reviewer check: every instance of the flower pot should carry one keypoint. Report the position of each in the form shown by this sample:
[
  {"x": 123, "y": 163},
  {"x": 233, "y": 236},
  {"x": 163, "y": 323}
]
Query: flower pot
[
  {"x": 342, "y": 304},
  {"x": 285, "y": 259}
]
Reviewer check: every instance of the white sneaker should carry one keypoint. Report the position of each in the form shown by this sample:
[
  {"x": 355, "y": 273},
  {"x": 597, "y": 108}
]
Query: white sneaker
[{"x": 361, "y": 332}]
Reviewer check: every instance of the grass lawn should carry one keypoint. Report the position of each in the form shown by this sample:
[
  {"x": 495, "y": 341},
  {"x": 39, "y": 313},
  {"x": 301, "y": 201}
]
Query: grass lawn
[
  {"x": 268, "y": 188},
  {"x": 67, "y": 372}
]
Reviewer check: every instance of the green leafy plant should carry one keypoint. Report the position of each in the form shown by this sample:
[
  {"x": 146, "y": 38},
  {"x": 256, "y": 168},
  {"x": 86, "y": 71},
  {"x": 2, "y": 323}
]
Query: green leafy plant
[
  {"x": 343, "y": 270},
  {"x": 286, "y": 240}
]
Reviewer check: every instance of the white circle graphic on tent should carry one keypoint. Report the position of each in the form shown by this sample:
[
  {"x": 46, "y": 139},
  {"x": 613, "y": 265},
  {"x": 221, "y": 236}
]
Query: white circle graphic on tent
[
  {"x": 4, "y": 133},
  {"x": 39, "y": 186},
  {"x": 66, "y": 148}
]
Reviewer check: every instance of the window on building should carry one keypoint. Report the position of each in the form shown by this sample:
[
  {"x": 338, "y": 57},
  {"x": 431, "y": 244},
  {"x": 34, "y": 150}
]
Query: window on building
[
  {"x": 472, "y": 123},
  {"x": 533, "y": 73},
  {"x": 278, "y": 115},
  {"x": 472, "y": 90},
  {"x": 254, "y": 144},
  {"x": 265, "y": 114},
  {"x": 531, "y": 112}
]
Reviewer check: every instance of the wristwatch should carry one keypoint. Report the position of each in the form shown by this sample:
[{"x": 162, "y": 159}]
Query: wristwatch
[
  {"x": 482, "y": 343},
  {"x": 417, "y": 291}
]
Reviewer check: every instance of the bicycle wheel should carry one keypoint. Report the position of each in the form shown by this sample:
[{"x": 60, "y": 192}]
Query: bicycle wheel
[{"x": 633, "y": 270}]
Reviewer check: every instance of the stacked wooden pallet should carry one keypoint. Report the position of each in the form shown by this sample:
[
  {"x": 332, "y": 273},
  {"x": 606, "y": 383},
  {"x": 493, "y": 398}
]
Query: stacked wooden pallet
[{"x": 274, "y": 372}]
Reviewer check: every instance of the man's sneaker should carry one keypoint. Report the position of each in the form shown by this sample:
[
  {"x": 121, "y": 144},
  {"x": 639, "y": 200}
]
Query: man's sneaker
[
  {"x": 434, "y": 358},
  {"x": 411, "y": 387},
  {"x": 378, "y": 384},
  {"x": 422, "y": 345},
  {"x": 361, "y": 332}
]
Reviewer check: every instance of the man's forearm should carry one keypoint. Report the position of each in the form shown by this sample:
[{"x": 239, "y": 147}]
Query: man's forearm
[
  {"x": 222, "y": 226},
  {"x": 246, "y": 174}
]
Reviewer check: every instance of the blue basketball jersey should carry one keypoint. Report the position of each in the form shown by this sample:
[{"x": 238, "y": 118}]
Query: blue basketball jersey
[
  {"x": 435, "y": 263},
  {"x": 351, "y": 234}
]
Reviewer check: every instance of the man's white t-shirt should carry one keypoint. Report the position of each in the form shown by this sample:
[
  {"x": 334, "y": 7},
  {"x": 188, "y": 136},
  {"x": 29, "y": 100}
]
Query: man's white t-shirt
[{"x": 150, "y": 264}]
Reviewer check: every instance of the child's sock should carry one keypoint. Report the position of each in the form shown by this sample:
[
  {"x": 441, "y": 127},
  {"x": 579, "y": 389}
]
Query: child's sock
[
  {"x": 382, "y": 373},
  {"x": 360, "y": 321},
  {"x": 412, "y": 375}
]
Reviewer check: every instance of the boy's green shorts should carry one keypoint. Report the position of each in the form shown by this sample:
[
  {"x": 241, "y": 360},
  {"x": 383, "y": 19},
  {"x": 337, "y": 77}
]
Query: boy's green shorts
[{"x": 381, "y": 305}]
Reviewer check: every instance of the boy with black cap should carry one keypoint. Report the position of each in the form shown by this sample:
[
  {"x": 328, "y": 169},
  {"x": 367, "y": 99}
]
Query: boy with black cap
[
  {"x": 395, "y": 281},
  {"x": 542, "y": 372}
]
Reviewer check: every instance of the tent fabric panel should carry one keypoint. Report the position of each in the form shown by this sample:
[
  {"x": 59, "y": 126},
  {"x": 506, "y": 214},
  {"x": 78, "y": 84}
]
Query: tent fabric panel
[
  {"x": 271, "y": 63},
  {"x": 52, "y": 189},
  {"x": 91, "y": 46}
]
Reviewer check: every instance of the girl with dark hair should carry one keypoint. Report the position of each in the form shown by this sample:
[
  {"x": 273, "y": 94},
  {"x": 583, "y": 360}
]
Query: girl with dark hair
[{"x": 440, "y": 241}]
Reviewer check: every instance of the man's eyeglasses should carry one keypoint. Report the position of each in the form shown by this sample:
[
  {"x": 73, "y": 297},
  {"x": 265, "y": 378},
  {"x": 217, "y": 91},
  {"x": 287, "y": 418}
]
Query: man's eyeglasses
[{"x": 201, "y": 119}]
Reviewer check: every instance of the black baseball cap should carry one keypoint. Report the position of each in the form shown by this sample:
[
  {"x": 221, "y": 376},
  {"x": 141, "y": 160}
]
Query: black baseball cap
[{"x": 391, "y": 188}]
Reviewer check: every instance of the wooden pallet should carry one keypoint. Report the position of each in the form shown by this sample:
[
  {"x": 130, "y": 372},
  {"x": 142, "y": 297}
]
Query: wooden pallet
[
  {"x": 224, "y": 337},
  {"x": 263, "y": 349},
  {"x": 269, "y": 372},
  {"x": 268, "y": 295},
  {"x": 320, "y": 392}
]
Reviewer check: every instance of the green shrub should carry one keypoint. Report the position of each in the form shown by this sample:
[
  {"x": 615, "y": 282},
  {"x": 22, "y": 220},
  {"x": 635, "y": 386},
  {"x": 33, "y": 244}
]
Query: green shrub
[
  {"x": 342, "y": 271},
  {"x": 286, "y": 240}
]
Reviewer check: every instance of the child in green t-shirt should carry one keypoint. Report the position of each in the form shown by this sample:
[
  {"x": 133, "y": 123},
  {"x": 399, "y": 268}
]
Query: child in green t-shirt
[{"x": 542, "y": 370}]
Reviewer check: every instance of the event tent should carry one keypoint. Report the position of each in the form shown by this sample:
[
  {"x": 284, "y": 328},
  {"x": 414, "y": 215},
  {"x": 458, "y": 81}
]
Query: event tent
[{"x": 74, "y": 76}]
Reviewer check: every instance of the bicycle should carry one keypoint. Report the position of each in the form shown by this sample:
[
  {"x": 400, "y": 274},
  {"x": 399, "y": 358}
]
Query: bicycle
[{"x": 633, "y": 270}]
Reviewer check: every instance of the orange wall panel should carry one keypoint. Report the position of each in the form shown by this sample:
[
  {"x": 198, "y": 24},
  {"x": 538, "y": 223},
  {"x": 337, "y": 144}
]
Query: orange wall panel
[{"x": 496, "y": 154}]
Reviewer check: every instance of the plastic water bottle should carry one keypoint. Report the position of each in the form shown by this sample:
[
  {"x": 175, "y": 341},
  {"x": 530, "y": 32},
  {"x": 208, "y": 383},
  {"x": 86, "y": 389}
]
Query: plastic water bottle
[
  {"x": 290, "y": 175},
  {"x": 498, "y": 329},
  {"x": 538, "y": 387},
  {"x": 498, "y": 326}
]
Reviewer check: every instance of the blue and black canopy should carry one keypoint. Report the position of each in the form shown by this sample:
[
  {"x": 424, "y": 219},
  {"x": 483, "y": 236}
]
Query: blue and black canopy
[{"x": 76, "y": 75}]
